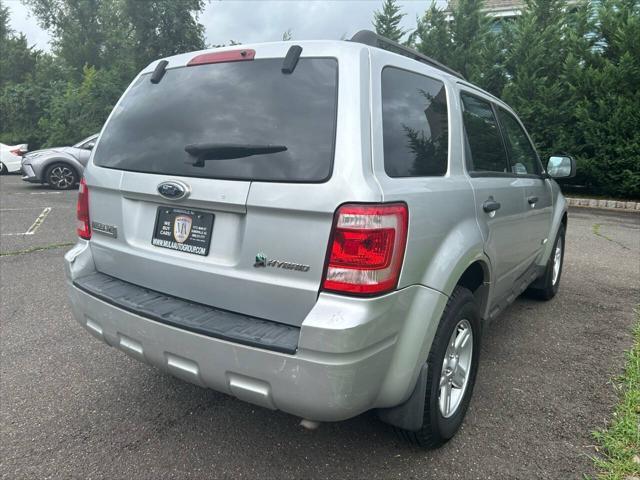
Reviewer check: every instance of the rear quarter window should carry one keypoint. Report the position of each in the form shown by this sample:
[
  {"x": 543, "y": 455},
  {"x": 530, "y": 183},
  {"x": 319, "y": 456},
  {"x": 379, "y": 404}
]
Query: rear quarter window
[
  {"x": 239, "y": 103},
  {"x": 415, "y": 124}
]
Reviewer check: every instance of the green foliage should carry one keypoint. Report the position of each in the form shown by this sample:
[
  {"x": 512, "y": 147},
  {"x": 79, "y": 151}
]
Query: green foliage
[
  {"x": 607, "y": 106},
  {"x": 387, "y": 21},
  {"x": 82, "y": 108},
  {"x": 462, "y": 39},
  {"x": 535, "y": 54},
  {"x": 98, "y": 48},
  {"x": 620, "y": 442},
  {"x": 570, "y": 71}
]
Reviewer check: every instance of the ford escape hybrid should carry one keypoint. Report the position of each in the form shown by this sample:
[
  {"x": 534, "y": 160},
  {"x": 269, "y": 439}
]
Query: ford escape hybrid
[{"x": 318, "y": 227}]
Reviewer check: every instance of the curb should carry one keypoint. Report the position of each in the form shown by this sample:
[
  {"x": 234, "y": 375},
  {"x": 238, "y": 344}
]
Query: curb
[{"x": 604, "y": 204}]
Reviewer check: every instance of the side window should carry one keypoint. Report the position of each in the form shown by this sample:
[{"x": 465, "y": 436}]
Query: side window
[
  {"x": 485, "y": 144},
  {"x": 414, "y": 124},
  {"x": 521, "y": 153}
]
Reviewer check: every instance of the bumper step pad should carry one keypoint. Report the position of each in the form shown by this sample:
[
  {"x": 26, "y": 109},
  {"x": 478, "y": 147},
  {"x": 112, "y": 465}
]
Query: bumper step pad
[{"x": 195, "y": 317}]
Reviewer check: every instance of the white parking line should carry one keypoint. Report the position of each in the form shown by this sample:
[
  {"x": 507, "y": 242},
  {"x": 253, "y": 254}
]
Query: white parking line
[
  {"x": 38, "y": 222},
  {"x": 33, "y": 193},
  {"x": 15, "y": 209},
  {"x": 32, "y": 229}
]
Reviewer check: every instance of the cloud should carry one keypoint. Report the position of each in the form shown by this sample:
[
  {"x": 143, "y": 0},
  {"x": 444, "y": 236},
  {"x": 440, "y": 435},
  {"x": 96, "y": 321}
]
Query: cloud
[
  {"x": 22, "y": 21},
  {"x": 250, "y": 21}
]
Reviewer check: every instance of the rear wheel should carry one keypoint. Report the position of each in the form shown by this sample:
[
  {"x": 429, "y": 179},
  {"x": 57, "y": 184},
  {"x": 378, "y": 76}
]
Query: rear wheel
[
  {"x": 451, "y": 371},
  {"x": 3, "y": 169},
  {"x": 546, "y": 287},
  {"x": 61, "y": 176}
]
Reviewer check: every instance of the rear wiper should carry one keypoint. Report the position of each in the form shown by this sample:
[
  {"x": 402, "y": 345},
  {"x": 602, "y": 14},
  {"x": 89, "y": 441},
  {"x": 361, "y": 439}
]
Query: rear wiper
[{"x": 225, "y": 151}]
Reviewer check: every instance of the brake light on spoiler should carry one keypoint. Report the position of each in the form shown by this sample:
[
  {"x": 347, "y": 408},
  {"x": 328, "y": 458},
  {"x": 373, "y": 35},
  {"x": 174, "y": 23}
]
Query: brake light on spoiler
[
  {"x": 367, "y": 248},
  {"x": 222, "y": 57}
]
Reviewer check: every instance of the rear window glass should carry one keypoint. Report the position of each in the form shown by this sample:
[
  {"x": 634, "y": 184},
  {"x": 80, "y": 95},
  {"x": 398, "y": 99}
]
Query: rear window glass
[
  {"x": 241, "y": 103},
  {"x": 414, "y": 123}
]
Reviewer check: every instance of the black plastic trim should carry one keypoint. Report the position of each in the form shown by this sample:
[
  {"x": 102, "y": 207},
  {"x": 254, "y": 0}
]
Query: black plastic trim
[
  {"x": 372, "y": 39},
  {"x": 191, "y": 316},
  {"x": 159, "y": 71},
  {"x": 291, "y": 59}
]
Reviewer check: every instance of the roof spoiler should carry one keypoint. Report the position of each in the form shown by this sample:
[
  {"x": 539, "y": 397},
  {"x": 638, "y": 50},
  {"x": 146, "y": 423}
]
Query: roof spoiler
[{"x": 367, "y": 37}]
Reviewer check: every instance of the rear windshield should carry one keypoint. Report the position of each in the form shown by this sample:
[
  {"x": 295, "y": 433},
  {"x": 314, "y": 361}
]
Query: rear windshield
[{"x": 241, "y": 103}]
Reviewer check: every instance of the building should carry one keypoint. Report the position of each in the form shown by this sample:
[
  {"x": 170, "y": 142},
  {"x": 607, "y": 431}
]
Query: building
[{"x": 498, "y": 9}]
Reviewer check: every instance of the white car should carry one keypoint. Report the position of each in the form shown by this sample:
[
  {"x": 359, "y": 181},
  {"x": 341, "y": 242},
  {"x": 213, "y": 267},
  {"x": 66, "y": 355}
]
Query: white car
[{"x": 11, "y": 157}]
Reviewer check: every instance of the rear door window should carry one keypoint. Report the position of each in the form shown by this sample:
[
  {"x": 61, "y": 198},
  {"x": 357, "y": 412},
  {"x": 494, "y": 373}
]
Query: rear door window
[
  {"x": 414, "y": 124},
  {"x": 231, "y": 104},
  {"x": 484, "y": 141},
  {"x": 523, "y": 157}
]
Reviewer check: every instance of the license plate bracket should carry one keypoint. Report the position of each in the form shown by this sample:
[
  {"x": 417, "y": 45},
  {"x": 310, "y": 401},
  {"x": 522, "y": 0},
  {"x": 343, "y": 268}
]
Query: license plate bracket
[{"x": 183, "y": 229}]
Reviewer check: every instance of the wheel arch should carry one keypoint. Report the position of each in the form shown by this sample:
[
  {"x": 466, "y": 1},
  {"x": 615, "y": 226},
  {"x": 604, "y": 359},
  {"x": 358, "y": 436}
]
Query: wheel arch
[
  {"x": 46, "y": 163},
  {"x": 46, "y": 168},
  {"x": 477, "y": 278}
]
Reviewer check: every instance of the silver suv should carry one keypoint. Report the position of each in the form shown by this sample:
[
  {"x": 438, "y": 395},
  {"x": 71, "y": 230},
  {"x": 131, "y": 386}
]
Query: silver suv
[{"x": 319, "y": 227}]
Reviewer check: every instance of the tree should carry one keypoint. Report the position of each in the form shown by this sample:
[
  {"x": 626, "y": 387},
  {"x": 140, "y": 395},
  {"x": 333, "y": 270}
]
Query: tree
[
  {"x": 76, "y": 28},
  {"x": 462, "y": 39},
  {"x": 17, "y": 59},
  {"x": 160, "y": 28},
  {"x": 541, "y": 56},
  {"x": 98, "y": 48},
  {"x": 387, "y": 21},
  {"x": 607, "y": 105}
]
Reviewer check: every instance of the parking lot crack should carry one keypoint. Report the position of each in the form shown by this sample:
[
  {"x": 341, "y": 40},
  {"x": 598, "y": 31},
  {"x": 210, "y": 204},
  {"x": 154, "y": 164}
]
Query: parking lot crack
[{"x": 35, "y": 249}]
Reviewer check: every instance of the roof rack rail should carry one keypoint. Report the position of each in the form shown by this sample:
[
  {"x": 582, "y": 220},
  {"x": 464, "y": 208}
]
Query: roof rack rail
[{"x": 372, "y": 39}]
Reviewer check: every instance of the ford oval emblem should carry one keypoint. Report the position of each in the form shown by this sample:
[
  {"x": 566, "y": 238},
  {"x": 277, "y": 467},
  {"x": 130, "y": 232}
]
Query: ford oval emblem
[{"x": 173, "y": 190}]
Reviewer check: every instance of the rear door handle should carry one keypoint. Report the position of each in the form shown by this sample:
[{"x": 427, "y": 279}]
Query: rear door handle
[
  {"x": 491, "y": 205},
  {"x": 532, "y": 200}
]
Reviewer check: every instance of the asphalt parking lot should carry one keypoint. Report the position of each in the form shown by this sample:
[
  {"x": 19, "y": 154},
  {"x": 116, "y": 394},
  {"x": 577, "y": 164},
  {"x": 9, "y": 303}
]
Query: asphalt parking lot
[{"x": 72, "y": 407}]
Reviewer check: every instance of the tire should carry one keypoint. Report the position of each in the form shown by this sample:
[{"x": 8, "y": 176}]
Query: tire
[
  {"x": 546, "y": 287},
  {"x": 61, "y": 176},
  {"x": 440, "y": 423},
  {"x": 3, "y": 169}
]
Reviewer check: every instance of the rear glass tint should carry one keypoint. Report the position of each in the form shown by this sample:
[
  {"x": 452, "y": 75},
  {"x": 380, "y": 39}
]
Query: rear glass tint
[
  {"x": 483, "y": 136},
  {"x": 240, "y": 103},
  {"x": 414, "y": 124}
]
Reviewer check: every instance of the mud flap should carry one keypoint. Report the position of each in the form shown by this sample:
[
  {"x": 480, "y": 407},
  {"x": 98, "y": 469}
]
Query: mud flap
[{"x": 408, "y": 415}]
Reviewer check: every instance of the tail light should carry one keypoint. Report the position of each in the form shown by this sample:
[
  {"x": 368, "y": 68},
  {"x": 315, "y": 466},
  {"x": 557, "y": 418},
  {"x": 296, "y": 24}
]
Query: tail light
[
  {"x": 82, "y": 209},
  {"x": 18, "y": 151},
  {"x": 367, "y": 248}
]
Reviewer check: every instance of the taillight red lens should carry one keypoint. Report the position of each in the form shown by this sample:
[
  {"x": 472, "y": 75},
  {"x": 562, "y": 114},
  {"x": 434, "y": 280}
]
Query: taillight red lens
[
  {"x": 223, "y": 57},
  {"x": 367, "y": 249},
  {"x": 82, "y": 209}
]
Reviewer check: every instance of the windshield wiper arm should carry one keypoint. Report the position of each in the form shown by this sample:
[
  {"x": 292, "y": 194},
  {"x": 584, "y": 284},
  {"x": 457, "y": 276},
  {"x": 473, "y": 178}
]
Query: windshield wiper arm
[{"x": 226, "y": 151}]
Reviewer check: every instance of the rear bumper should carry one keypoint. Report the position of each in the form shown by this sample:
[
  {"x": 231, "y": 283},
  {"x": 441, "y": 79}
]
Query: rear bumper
[
  {"x": 353, "y": 354},
  {"x": 12, "y": 163}
]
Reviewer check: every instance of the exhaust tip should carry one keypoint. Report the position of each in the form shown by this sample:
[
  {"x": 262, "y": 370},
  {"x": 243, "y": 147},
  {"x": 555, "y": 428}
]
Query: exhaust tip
[{"x": 309, "y": 424}]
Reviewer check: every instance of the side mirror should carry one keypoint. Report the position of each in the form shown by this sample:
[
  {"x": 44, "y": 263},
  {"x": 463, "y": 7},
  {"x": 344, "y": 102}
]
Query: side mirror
[
  {"x": 561, "y": 167},
  {"x": 90, "y": 145}
]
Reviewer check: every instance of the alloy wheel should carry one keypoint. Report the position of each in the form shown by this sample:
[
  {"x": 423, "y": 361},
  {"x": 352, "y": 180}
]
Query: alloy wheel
[
  {"x": 557, "y": 262},
  {"x": 456, "y": 368},
  {"x": 61, "y": 177}
]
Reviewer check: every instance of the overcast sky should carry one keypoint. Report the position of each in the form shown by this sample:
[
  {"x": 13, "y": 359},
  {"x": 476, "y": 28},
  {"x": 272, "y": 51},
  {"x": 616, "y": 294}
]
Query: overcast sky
[{"x": 258, "y": 21}]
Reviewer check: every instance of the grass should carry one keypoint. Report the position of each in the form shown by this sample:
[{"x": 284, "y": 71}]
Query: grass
[{"x": 620, "y": 442}]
